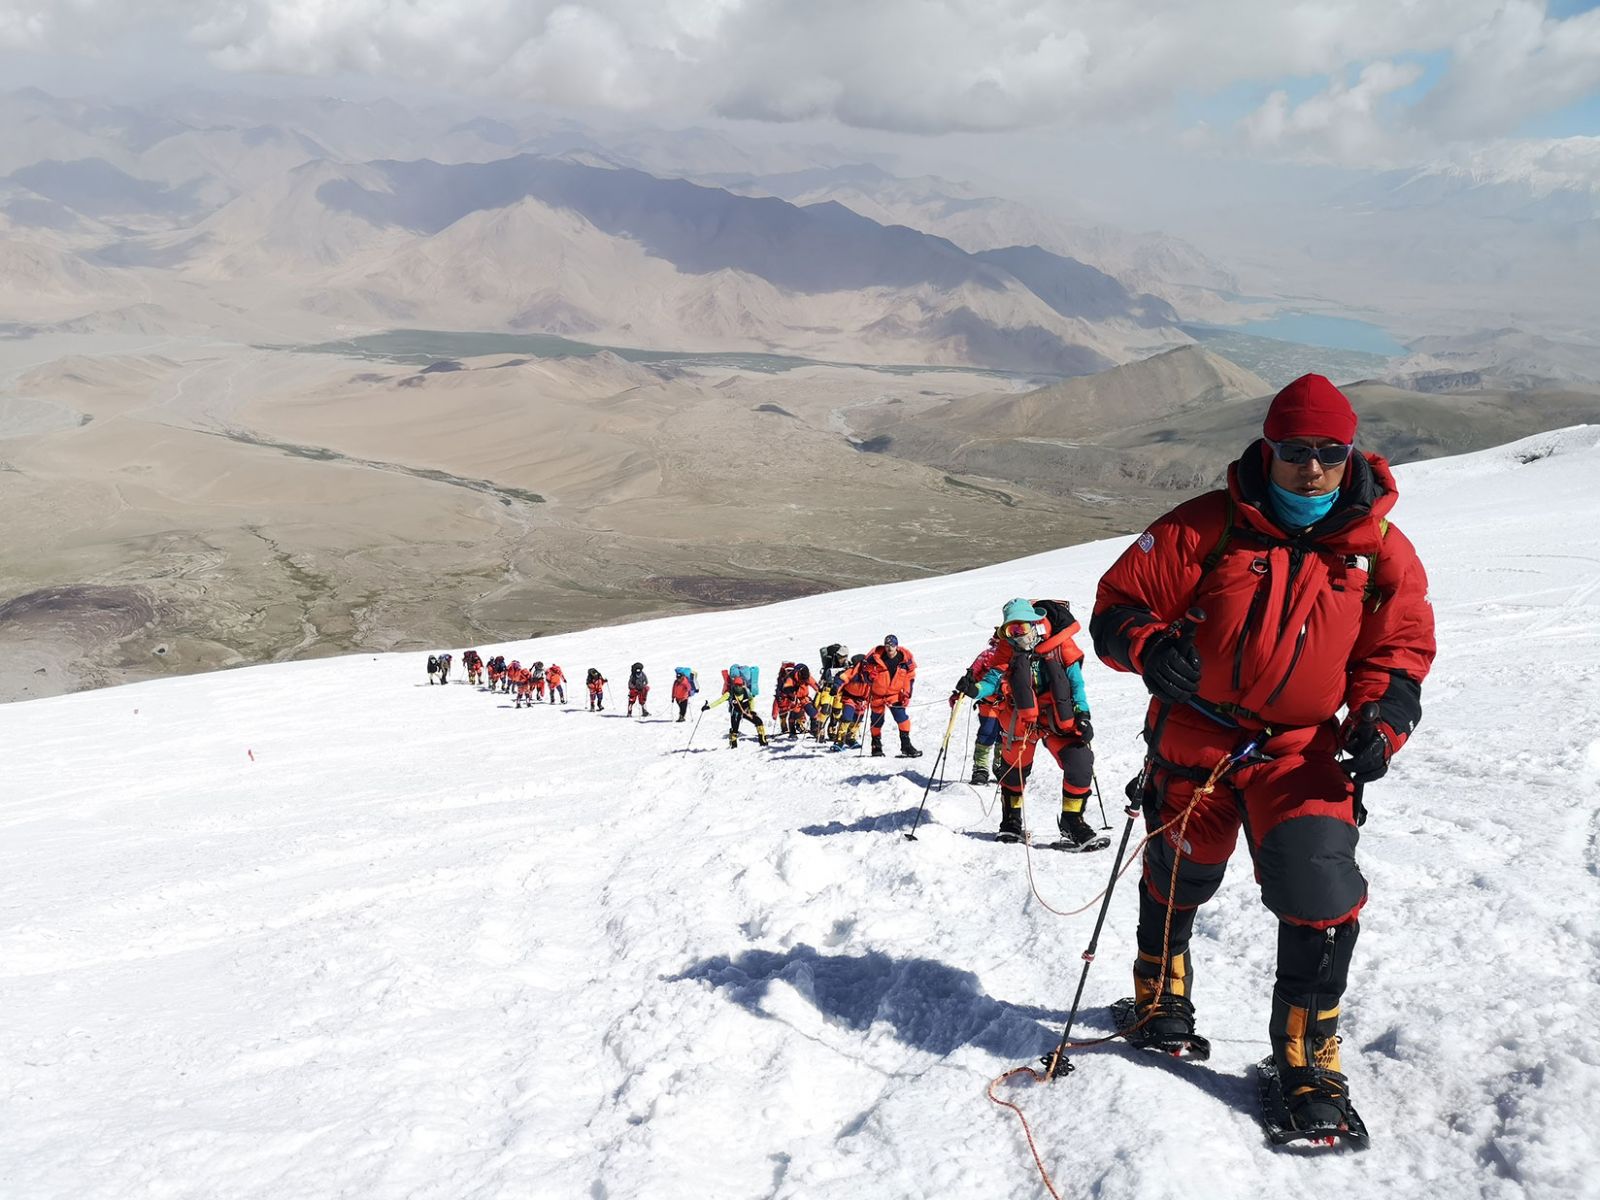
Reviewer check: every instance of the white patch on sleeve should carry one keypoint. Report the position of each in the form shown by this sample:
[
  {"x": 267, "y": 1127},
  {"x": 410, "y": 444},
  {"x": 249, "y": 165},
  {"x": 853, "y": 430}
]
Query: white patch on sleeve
[{"x": 1146, "y": 542}]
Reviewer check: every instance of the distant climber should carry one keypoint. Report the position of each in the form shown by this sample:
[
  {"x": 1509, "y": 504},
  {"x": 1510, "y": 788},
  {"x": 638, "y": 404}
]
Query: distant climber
[
  {"x": 891, "y": 673},
  {"x": 684, "y": 685},
  {"x": 638, "y": 689},
  {"x": 739, "y": 685}
]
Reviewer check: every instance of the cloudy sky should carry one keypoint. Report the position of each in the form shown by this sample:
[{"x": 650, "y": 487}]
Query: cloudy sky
[{"x": 1346, "y": 83}]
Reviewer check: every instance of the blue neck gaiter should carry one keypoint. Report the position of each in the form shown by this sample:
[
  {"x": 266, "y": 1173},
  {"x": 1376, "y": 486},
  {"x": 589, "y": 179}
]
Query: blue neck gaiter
[{"x": 1295, "y": 511}]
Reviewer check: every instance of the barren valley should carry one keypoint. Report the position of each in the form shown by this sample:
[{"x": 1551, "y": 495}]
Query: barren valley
[{"x": 191, "y": 505}]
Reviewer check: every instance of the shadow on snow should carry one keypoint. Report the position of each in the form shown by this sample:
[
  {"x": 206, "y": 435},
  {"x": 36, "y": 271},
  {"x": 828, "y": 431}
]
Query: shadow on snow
[
  {"x": 886, "y": 823},
  {"x": 930, "y": 1006},
  {"x": 938, "y": 1009}
]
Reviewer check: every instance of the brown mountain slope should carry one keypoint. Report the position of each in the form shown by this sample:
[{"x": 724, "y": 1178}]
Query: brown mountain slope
[{"x": 1076, "y": 409}]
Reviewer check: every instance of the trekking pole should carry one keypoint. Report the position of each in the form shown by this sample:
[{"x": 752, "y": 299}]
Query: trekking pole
[
  {"x": 1094, "y": 777},
  {"x": 944, "y": 750},
  {"x": 695, "y": 730},
  {"x": 1056, "y": 1062}
]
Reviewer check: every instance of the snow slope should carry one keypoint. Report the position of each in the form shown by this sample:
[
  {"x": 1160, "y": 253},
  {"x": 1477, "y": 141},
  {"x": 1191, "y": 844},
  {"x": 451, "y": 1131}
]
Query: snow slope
[{"x": 320, "y": 930}]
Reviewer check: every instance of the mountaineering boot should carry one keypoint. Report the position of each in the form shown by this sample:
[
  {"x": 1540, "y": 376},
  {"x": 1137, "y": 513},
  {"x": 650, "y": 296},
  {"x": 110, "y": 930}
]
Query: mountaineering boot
[
  {"x": 733, "y": 741},
  {"x": 643, "y": 711},
  {"x": 980, "y": 764},
  {"x": 1010, "y": 818},
  {"x": 907, "y": 750},
  {"x": 1166, "y": 1021},
  {"x": 1305, "y": 1051},
  {"x": 1313, "y": 966},
  {"x": 761, "y": 735},
  {"x": 1075, "y": 829},
  {"x": 877, "y": 745}
]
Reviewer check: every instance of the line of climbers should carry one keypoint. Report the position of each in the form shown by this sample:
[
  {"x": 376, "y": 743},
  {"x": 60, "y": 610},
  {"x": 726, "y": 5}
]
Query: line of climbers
[
  {"x": 538, "y": 683},
  {"x": 831, "y": 705}
]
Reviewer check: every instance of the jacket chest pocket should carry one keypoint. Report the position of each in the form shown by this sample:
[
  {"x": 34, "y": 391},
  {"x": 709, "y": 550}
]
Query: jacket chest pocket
[{"x": 1243, "y": 602}]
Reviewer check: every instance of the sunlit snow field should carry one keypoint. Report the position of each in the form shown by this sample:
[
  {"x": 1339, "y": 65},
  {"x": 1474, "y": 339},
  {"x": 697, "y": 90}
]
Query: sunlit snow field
[{"x": 322, "y": 930}]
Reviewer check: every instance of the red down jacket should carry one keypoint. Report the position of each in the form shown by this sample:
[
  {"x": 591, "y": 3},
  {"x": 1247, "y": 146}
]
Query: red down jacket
[{"x": 1294, "y": 626}]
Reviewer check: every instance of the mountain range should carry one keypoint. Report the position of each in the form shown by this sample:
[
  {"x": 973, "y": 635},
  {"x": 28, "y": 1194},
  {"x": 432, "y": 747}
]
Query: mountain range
[
  {"x": 1156, "y": 263},
  {"x": 237, "y": 226}
]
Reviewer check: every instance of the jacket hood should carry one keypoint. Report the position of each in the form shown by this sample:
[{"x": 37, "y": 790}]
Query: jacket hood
[{"x": 1366, "y": 494}]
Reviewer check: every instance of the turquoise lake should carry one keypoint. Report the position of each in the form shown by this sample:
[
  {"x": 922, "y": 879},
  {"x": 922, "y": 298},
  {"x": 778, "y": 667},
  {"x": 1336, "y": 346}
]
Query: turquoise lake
[{"x": 1335, "y": 333}]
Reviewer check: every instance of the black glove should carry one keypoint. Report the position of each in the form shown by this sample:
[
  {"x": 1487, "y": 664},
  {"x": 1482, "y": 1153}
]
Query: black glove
[
  {"x": 1085, "y": 726},
  {"x": 1172, "y": 670},
  {"x": 706, "y": 707},
  {"x": 1368, "y": 748},
  {"x": 967, "y": 686}
]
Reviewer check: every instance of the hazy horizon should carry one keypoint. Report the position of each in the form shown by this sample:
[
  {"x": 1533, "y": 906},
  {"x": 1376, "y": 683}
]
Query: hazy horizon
[{"x": 1041, "y": 99}]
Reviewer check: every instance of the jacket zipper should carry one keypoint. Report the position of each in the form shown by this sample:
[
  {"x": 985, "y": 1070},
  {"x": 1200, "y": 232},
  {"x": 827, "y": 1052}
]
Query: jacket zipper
[
  {"x": 1296, "y": 557},
  {"x": 1294, "y": 661},
  {"x": 1250, "y": 619}
]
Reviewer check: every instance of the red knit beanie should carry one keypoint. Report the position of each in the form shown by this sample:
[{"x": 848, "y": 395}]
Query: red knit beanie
[{"x": 1310, "y": 407}]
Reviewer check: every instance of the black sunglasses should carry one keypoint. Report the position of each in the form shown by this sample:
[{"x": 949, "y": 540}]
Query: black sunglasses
[{"x": 1298, "y": 453}]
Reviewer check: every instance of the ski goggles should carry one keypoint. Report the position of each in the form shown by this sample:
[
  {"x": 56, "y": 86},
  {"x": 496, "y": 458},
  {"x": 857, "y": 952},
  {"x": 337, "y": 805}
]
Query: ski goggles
[
  {"x": 1026, "y": 634},
  {"x": 1299, "y": 454}
]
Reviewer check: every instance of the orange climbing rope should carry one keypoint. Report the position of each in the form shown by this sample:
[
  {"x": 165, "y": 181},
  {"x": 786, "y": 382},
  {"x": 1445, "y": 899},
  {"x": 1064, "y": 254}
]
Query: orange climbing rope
[{"x": 1182, "y": 823}]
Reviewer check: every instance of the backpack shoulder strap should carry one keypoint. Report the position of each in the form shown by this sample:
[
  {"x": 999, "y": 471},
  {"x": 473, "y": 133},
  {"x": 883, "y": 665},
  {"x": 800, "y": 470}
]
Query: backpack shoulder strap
[
  {"x": 1372, "y": 594},
  {"x": 1210, "y": 561}
]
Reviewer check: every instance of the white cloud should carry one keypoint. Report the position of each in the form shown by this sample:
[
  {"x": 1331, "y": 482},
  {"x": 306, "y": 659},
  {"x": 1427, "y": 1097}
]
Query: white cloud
[
  {"x": 1514, "y": 66},
  {"x": 1343, "y": 124},
  {"x": 926, "y": 66}
]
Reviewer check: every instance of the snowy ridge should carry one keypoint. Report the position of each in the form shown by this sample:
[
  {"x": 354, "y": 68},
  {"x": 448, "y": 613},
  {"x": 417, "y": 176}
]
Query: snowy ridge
[{"x": 320, "y": 930}]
